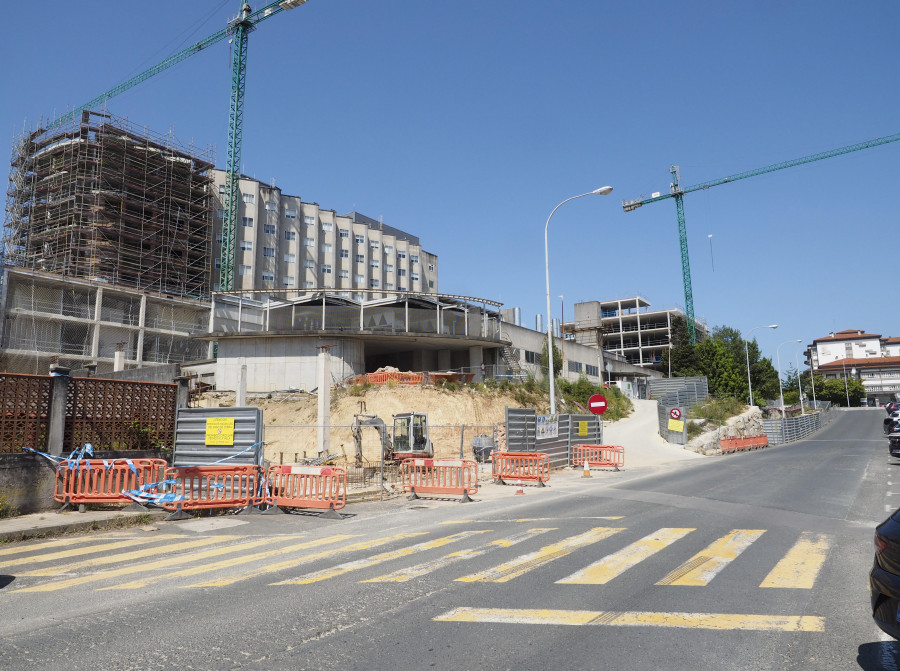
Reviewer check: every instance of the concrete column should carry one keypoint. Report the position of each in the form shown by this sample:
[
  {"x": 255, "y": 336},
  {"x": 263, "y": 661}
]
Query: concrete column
[
  {"x": 95, "y": 328},
  {"x": 443, "y": 359},
  {"x": 59, "y": 391},
  {"x": 323, "y": 380},
  {"x": 241, "y": 396},
  {"x": 119, "y": 360},
  {"x": 476, "y": 358},
  {"x": 183, "y": 395},
  {"x": 142, "y": 321}
]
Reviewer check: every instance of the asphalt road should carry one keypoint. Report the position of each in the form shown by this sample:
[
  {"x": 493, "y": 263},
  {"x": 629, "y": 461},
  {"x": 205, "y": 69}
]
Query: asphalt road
[{"x": 748, "y": 561}]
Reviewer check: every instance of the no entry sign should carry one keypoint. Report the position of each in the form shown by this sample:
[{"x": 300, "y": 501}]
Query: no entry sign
[
  {"x": 597, "y": 404},
  {"x": 675, "y": 413}
]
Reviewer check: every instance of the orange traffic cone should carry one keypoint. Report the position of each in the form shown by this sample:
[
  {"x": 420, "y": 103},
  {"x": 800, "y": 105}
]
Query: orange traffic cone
[
  {"x": 519, "y": 490},
  {"x": 587, "y": 470}
]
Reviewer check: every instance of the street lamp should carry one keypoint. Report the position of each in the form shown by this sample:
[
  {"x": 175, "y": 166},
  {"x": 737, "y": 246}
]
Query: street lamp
[
  {"x": 747, "y": 354},
  {"x": 780, "y": 389},
  {"x": 799, "y": 383},
  {"x": 602, "y": 191}
]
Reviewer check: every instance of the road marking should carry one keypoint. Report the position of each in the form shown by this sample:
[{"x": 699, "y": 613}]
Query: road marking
[
  {"x": 90, "y": 549},
  {"x": 406, "y": 574},
  {"x": 703, "y": 567},
  {"x": 115, "y": 573},
  {"x": 887, "y": 509},
  {"x": 366, "y": 562},
  {"x": 800, "y": 567},
  {"x": 234, "y": 561},
  {"x": 719, "y": 621},
  {"x": 19, "y": 549},
  {"x": 297, "y": 561},
  {"x": 613, "y": 565},
  {"x": 545, "y": 555}
]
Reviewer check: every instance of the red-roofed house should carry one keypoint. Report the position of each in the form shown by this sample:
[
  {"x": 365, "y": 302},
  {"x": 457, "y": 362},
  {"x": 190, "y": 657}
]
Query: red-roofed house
[{"x": 868, "y": 357}]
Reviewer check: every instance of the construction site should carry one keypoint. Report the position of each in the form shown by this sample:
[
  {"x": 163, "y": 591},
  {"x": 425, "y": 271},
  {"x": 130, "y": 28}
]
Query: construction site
[{"x": 100, "y": 200}]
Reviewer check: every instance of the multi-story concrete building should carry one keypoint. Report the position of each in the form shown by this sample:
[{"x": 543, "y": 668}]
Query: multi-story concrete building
[
  {"x": 868, "y": 357},
  {"x": 625, "y": 327},
  {"x": 282, "y": 242}
]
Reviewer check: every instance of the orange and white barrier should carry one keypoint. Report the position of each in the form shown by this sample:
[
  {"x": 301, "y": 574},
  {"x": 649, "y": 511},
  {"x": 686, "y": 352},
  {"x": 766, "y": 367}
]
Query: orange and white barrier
[
  {"x": 323, "y": 487},
  {"x": 199, "y": 487},
  {"x": 531, "y": 466},
  {"x": 440, "y": 476},
  {"x": 735, "y": 444},
  {"x": 104, "y": 480},
  {"x": 599, "y": 456}
]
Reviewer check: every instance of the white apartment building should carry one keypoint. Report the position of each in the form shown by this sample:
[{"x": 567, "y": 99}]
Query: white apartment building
[
  {"x": 868, "y": 357},
  {"x": 282, "y": 242}
]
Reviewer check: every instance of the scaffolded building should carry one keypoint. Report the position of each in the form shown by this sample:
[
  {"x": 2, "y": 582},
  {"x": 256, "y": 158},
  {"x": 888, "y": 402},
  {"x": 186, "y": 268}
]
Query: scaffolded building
[{"x": 98, "y": 199}]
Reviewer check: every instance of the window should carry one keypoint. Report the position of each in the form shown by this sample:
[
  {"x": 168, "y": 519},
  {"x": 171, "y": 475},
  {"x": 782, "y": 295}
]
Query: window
[
  {"x": 431, "y": 284},
  {"x": 289, "y": 258},
  {"x": 271, "y": 206},
  {"x": 288, "y": 280},
  {"x": 308, "y": 284},
  {"x": 309, "y": 220},
  {"x": 249, "y": 198},
  {"x": 244, "y": 270},
  {"x": 345, "y": 232},
  {"x": 326, "y": 269},
  {"x": 327, "y": 226},
  {"x": 591, "y": 370},
  {"x": 358, "y": 297},
  {"x": 344, "y": 253},
  {"x": 373, "y": 284},
  {"x": 401, "y": 288},
  {"x": 269, "y": 252},
  {"x": 359, "y": 279},
  {"x": 401, "y": 272},
  {"x": 247, "y": 222},
  {"x": 388, "y": 285},
  {"x": 359, "y": 258},
  {"x": 269, "y": 229},
  {"x": 246, "y": 245},
  {"x": 374, "y": 263},
  {"x": 326, "y": 247},
  {"x": 218, "y": 238},
  {"x": 430, "y": 267},
  {"x": 531, "y": 357},
  {"x": 414, "y": 277},
  {"x": 217, "y": 264},
  {"x": 359, "y": 239},
  {"x": 220, "y": 214},
  {"x": 413, "y": 258},
  {"x": 290, "y": 235},
  {"x": 374, "y": 244},
  {"x": 268, "y": 276},
  {"x": 221, "y": 189},
  {"x": 344, "y": 274},
  {"x": 309, "y": 242},
  {"x": 574, "y": 366},
  {"x": 388, "y": 267},
  {"x": 290, "y": 213},
  {"x": 401, "y": 255},
  {"x": 389, "y": 249},
  {"x": 309, "y": 264}
]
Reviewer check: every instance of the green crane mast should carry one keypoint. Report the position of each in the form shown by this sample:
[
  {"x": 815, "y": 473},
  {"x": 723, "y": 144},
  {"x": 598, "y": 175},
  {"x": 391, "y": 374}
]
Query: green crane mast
[
  {"x": 238, "y": 28},
  {"x": 677, "y": 192}
]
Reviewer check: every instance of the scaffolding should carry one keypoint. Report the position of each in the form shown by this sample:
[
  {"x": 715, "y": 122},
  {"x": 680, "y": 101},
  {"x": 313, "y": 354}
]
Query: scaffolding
[{"x": 101, "y": 200}]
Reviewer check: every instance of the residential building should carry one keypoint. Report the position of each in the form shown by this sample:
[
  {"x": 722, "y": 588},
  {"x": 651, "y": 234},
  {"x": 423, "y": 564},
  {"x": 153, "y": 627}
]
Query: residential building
[{"x": 868, "y": 357}]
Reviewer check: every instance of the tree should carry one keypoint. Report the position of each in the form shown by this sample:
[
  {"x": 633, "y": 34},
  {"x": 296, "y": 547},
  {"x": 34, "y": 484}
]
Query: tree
[
  {"x": 682, "y": 354},
  {"x": 834, "y": 390},
  {"x": 557, "y": 360}
]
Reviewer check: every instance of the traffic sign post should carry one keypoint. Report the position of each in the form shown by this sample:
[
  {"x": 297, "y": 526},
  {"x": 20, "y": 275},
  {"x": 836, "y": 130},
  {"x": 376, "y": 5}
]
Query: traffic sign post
[{"x": 597, "y": 404}]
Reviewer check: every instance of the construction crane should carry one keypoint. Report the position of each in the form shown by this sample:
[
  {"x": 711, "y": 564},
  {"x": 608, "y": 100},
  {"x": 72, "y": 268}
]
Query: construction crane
[
  {"x": 238, "y": 29},
  {"x": 677, "y": 192}
]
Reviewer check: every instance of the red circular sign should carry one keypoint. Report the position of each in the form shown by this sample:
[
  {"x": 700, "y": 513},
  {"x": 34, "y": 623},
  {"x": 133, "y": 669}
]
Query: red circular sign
[
  {"x": 597, "y": 404},
  {"x": 675, "y": 413}
]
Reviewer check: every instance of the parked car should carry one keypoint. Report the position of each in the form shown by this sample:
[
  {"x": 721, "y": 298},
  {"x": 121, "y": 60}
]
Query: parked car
[
  {"x": 891, "y": 424},
  {"x": 891, "y": 406},
  {"x": 894, "y": 444},
  {"x": 884, "y": 578}
]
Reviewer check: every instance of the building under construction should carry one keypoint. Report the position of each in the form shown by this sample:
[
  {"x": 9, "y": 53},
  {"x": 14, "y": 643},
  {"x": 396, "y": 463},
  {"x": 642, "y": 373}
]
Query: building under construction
[{"x": 100, "y": 200}]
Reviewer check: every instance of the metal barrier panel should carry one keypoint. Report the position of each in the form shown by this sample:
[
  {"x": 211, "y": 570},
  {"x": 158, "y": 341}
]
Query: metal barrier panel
[
  {"x": 601, "y": 456},
  {"x": 531, "y": 466},
  {"x": 780, "y": 431},
  {"x": 229, "y": 486},
  {"x": 103, "y": 480},
  {"x": 190, "y": 437},
  {"x": 440, "y": 476},
  {"x": 663, "y": 414},
  {"x": 521, "y": 429},
  {"x": 308, "y": 486}
]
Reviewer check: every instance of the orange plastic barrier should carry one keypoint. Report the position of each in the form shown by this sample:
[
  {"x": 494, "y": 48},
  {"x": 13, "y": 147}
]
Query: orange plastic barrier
[
  {"x": 307, "y": 487},
  {"x": 225, "y": 486},
  {"x": 399, "y": 378},
  {"x": 601, "y": 456},
  {"x": 439, "y": 476},
  {"x": 743, "y": 443},
  {"x": 103, "y": 480},
  {"x": 532, "y": 466},
  {"x": 376, "y": 378}
]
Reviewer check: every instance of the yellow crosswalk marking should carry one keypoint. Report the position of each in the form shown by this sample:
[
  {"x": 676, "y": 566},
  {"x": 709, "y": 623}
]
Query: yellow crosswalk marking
[
  {"x": 138, "y": 568},
  {"x": 30, "y": 547},
  {"x": 718, "y": 621},
  {"x": 545, "y": 555},
  {"x": 406, "y": 574},
  {"x": 342, "y": 569},
  {"x": 703, "y": 567},
  {"x": 90, "y": 549},
  {"x": 613, "y": 565},
  {"x": 800, "y": 567},
  {"x": 297, "y": 561}
]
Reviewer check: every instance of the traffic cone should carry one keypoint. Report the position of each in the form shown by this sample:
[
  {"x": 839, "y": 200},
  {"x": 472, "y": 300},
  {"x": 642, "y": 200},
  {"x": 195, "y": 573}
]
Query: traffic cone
[
  {"x": 587, "y": 470},
  {"x": 519, "y": 489}
]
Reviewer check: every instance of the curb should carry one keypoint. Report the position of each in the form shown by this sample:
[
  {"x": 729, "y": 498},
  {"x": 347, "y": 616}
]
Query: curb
[{"x": 117, "y": 520}]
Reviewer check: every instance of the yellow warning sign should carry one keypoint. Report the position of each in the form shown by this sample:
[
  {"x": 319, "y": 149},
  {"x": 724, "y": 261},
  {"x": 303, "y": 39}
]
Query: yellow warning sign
[
  {"x": 582, "y": 428},
  {"x": 220, "y": 430},
  {"x": 676, "y": 425}
]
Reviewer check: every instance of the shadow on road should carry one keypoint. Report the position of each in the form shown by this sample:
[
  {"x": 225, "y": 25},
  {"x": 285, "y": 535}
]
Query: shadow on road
[
  {"x": 879, "y": 656},
  {"x": 5, "y": 580}
]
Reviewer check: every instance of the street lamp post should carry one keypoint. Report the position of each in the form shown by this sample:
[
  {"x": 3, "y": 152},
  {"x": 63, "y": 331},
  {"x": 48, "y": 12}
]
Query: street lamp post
[
  {"x": 562, "y": 332},
  {"x": 799, "y": 383},
  {"x": 780, "y": 389},
  {"x": 602, "y": 191},
  {"x": 747, "y": 354}
]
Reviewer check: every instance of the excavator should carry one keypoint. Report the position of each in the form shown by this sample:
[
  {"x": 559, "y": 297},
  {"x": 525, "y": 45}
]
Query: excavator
[{"x": 408, "y": 439}]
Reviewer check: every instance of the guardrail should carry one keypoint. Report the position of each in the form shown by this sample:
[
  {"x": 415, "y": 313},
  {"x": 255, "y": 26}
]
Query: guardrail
[
  {"x": 528, "y": 466},
  {"x": 440, "y": 476}
]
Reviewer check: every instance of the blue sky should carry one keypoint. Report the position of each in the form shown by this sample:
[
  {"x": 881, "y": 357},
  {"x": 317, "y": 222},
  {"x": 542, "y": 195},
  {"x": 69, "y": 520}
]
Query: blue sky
[{"x": 467, "y": 122}]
